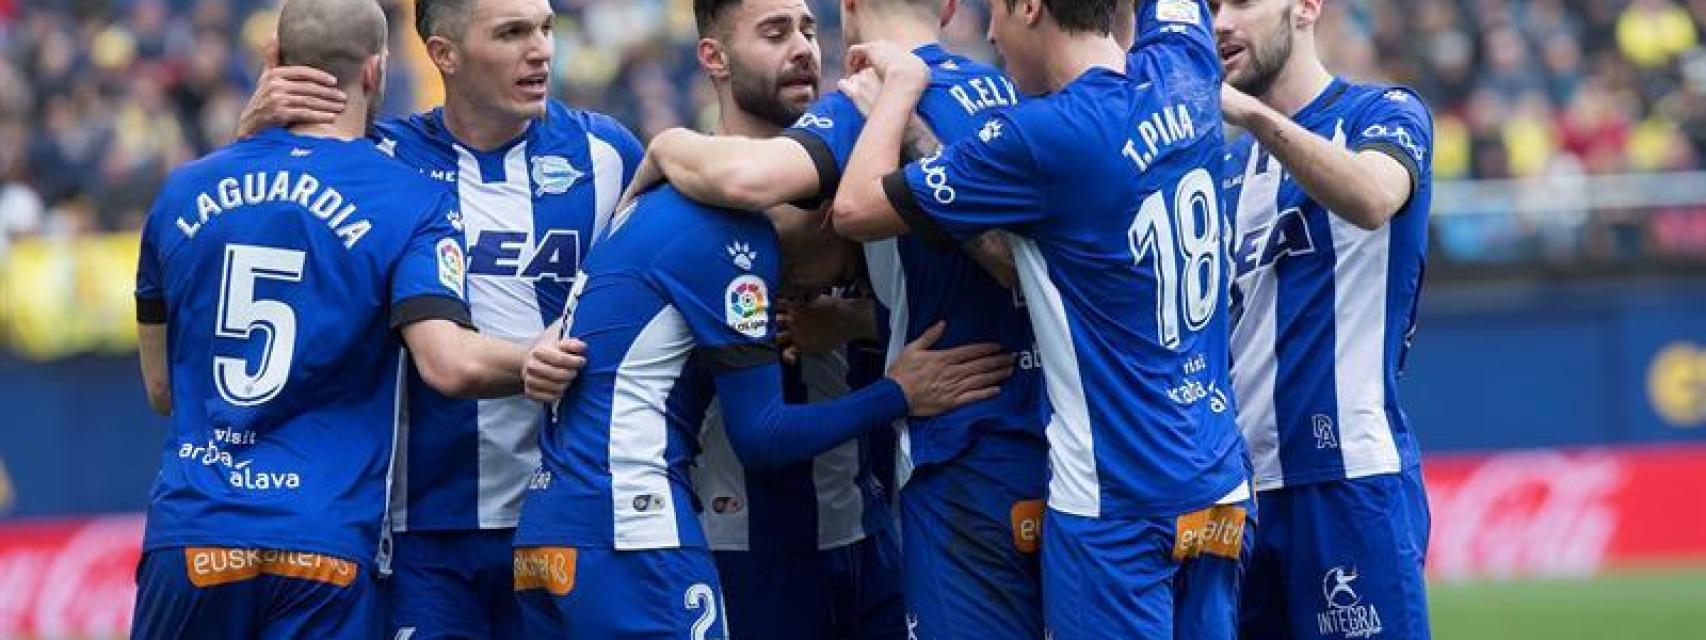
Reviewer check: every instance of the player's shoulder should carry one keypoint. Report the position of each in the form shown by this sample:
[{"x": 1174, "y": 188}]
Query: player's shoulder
[
  {"x": 1374, "y": 98},
  {"x": 563, "y": 122}
]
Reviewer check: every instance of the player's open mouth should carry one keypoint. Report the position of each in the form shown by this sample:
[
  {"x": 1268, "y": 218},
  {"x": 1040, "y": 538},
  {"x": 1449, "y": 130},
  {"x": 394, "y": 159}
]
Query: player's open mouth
[
  {"x": 534, "y": 84},
  {"x": 1230, "y": 51}
]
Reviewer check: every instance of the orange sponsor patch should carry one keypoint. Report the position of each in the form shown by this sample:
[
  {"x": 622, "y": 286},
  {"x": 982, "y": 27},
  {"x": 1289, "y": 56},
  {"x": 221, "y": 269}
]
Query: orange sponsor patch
[
  {"x": 1027, "y": 525},
  {"x": 213, "y": 566},
  {"x": 548, "y": 568},
  {"x": 1215, "y": 531}
]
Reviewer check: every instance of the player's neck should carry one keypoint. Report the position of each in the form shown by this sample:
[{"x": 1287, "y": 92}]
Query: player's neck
[
  {"x": 350, "y": 125},
  {"x": 910, "y": 31},
  {"x": 1299, "y": 83},
  {"x": 482, "y": 131},
  {"x": 1070, "y": 55},
  {"x": 732, "y": 121}
]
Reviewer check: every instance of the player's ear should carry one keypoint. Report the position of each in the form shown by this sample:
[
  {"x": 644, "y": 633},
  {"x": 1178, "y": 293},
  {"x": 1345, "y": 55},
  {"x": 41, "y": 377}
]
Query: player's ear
[
  {"x": 373, "y": 75},
  {"x": 1029, "y": 11},
  {"x": 713, "y": 58},
  {"x": 948, "y": 10},
  {"x": 1305, "y": 13},
  {"x": 443, "y": 54}
]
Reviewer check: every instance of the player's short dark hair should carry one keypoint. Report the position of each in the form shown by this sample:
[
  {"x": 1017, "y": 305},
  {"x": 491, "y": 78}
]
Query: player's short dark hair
[
  {"x": 708, "y": 14},
  {"x": 334, "y": 36},
  {"x": 446, "y": 18},
  {"x": 1081, "y": 16}
]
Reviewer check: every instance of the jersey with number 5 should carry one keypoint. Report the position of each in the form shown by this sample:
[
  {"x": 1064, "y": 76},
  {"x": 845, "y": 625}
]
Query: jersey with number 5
[
  {"x": 282, "y": 266},
  {"x": 1110, "y": 186}
]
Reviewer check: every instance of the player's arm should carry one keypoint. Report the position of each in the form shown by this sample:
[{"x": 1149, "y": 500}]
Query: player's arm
[
  {"x": 735, "y": 172},
  {"x": 862, "y": 210},
  {"x": 156, "y": 374},
  {"x": 462, "y": 363},
  {"x": 765, "y": 432},
  {"x": 1365, "y": 187}
]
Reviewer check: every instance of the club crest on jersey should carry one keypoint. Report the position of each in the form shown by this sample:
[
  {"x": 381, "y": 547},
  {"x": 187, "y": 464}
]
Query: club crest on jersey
[
  {"x": 747, "y": 306},
  {"x": 452, "y": 268},
  {"x": 553, "y": 174}
]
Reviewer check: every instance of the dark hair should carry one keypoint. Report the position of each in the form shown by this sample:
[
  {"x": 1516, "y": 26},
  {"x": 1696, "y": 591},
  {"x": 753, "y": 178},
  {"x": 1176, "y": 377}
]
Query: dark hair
[
  {"x": 1080, "y": 16},
  {"x": 706, "y": 14},
  {"x": 445, "y": 18}
]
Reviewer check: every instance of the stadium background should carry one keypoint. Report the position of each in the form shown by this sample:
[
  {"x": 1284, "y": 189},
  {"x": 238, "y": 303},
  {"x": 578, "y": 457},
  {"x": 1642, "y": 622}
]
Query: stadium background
[{"x": 1558, "y": 381}]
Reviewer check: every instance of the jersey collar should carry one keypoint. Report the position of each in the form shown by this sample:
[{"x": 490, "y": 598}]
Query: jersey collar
[{"x": 1329, "y": 96}]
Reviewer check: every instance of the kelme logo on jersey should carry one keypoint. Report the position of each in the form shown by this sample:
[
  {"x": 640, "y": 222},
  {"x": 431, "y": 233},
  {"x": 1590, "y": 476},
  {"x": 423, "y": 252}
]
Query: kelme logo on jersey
[
  {"x": 748, "y": 304},
  {"x": 451, "y": 266},
  {"x": 553, "y": 174}
]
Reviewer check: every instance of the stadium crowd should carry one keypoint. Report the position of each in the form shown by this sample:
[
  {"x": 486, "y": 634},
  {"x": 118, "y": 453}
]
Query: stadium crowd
[{"x": 100, "y": 98}]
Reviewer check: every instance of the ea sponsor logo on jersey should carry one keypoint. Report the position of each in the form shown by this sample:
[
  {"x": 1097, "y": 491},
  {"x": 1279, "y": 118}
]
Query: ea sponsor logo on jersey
[
  {"x": 1345, "y": 614},
  {"x": 452, "y": 268},
  {"x": 747, "y": 306},
  {"x": 553, "y": 174}
]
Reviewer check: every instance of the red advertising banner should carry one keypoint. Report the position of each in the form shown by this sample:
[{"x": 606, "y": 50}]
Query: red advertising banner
[
  {"x": 68, "y": 578},
  {"x": 1560, "y": 513},
  {"x": 1503, "y": 515}
]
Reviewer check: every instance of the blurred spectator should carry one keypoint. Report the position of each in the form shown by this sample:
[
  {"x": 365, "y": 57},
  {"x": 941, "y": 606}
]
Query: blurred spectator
[{"x": 1653, "y": 32}]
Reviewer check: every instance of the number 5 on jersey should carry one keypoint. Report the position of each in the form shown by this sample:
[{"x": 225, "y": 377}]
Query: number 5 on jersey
[{"x": 241, "y": 314}]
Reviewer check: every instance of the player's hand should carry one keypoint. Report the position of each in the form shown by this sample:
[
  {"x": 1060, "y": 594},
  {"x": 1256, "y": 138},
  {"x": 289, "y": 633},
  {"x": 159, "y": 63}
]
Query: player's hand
[
  {"x": 291, "y": 95},
  {"x": 893, "y": 64},
  {"x": 819, "y": 325},
  {"x": 1236, "y": 107},
  {"x": 552, "y": 365},
  {"x": 862, "y": 88},
  {"x": 936, "y": 381}
]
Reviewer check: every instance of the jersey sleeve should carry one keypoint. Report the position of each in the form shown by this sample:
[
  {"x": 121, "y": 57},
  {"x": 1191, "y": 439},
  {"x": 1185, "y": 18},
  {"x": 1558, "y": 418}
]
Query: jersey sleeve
[
  {"x": 1397, "y": 124},
  {"x": 722, "y": 280},
  {"x": 1182, "y": 21},
  {"x": 988, "y": 181},
  {"x": 828, "y": 132},
  {"x": 429, "y": 279},
  {"x": 150, "y": 281},
  {"x": 627, "y": 146}
]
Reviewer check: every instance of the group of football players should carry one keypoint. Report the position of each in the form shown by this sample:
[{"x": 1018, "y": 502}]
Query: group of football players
[{"x": 497, "y": 370}]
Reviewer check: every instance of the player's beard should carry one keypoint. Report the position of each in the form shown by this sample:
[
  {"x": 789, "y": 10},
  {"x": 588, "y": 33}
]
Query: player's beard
[
  {"x": 761, "y": 94},
  {"x": 1266, "y": 56}
]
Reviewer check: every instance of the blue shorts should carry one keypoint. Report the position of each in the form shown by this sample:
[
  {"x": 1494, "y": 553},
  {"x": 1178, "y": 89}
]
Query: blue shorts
[
  {"x": 1339, "y": 560},
  {"x": 1148, "y": 578},
  {"x": 848, "y": 593},
  {"x": 970, "y": 529},
  {"x": 218, "y": 592},
  {"x": 452, "y": 584},
  {"x": 603, "y": 594}
]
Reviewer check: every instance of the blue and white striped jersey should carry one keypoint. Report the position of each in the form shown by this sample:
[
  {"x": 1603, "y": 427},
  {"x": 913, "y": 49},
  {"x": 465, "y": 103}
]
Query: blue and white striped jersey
[
  {"x": 530, "y": 210},
  {"x": 678, "y": 293},
  {"x": 1323, "y": 310},
  {"x": 1109, "y": 189},
  {"x": 827, "y": 503}
]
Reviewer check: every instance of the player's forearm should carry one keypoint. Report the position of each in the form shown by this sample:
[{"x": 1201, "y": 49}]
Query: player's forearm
[
  {"x": 462, "y": 363},
  {"x": 156, "y": 373},
  {"x": 765, "y": 432},
  {"x": 862, "y": 210},
  {"x": 734, "y": 172},
  {"x": 1355, "y": 186}
]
